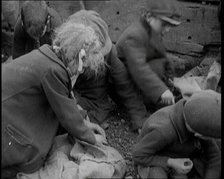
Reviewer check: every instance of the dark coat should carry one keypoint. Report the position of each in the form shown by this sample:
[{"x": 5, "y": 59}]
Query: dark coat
[
  {"x": 164, "y": 135},
  {"x": 36, "y": 97},
  {"x": 140, "y": 48},
  {"x": 23, "y": 43},
  {"x": 92, "y": 91}
]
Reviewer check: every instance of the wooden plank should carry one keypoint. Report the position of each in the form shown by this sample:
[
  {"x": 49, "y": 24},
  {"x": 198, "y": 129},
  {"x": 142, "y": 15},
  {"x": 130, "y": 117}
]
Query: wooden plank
[
  {"x": 199, "y": 25},
  {"x": 197, "y": 34},
  {"x": 189, "y": 48}
]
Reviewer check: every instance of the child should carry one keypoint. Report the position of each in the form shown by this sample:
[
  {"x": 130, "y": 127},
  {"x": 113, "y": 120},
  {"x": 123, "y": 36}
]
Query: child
[
  {"x": 177, "y": 140},
  {"x": 141, "y": 50}
]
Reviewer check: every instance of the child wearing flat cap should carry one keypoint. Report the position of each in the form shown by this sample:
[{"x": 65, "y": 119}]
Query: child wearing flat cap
[
  {"x": 141, "y": 49},
  {"x": 178, "y": 141}
]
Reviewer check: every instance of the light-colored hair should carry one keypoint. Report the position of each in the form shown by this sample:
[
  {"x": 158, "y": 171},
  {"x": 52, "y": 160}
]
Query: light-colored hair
[{"x": 71, "y": 37}]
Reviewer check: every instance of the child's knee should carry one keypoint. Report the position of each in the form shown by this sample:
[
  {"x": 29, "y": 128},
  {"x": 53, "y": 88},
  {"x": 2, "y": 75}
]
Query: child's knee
[{"x": 157, "y": 172}]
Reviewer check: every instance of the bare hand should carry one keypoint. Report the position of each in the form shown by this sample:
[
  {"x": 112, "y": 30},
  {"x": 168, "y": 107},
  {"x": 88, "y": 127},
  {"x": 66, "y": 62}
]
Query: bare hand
[
  {"x": 100, "y": 139},
  {"x": 167, "y": 98},
  {"x": 180, "y": 165},
  {"x": 95, "y": 128}
]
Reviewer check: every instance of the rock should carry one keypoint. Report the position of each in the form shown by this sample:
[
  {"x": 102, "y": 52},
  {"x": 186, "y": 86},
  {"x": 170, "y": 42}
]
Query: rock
[
  {"x": 115, "y": 123},
  {"x": 122, "y": 121}
]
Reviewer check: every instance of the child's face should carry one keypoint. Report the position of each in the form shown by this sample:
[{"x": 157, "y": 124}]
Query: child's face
[{"x": 156, "y": 24}]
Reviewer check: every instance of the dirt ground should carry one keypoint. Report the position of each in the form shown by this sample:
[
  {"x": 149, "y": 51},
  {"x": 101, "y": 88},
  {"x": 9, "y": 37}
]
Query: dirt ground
[{"x": 122, "y": 138}]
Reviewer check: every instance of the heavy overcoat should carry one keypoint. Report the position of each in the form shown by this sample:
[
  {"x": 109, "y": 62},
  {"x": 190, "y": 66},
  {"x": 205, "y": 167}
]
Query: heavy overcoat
[
  {"x": 164, "y": 135},
  {"x": 92, "y": 92},
  {"x": 141, "y": 50},
  {"x": 36, "y": 97}
]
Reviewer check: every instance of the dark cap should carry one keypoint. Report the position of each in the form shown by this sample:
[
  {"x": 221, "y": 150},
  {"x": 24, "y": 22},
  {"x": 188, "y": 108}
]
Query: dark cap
[
  {"x": 202, "y": 112},
  {"x": 167, "y": 10}
]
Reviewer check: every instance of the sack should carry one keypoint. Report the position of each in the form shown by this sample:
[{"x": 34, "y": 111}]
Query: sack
[
  {"x": 80, "y": 161},
  {"x": 189, "y": 85}
]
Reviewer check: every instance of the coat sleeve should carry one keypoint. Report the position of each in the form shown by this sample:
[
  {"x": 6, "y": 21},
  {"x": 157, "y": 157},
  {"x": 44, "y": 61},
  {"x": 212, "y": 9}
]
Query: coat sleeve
[
  {"x": 145, "y": 151},
  {"x": 147, "y": 80},
  {"x": 125, "y": 89},
  {"x": 213, "y": 158},
  {"x": 19, "y": 40},
  {"x": 56, "y": 88}
]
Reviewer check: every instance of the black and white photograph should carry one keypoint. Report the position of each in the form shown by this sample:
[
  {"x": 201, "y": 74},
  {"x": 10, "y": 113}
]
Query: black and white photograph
[{"x": 102, "y": 89}]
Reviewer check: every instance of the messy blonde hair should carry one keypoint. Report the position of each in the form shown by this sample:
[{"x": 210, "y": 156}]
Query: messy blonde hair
[{"x": 70, "y": 38}]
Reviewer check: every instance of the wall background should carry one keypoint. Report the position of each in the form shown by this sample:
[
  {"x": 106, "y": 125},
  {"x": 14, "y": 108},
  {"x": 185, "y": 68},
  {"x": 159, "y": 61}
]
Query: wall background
[
  {"x": 197, "y": 39},
  {"x": 197, "y": 36},
  {"x": 199, "y": 28}
]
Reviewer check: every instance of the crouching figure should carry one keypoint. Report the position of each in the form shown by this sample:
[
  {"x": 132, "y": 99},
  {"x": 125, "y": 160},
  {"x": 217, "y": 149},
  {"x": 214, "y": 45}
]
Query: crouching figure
[
  {"x": 37, "y": 97},
  {"x": 178, "y": 140}
]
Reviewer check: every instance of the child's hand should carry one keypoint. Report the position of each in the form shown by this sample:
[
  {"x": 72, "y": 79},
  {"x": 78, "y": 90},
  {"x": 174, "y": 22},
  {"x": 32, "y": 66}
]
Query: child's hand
[
  {"x": 100, "y": 139},
  {"x": 167, "y": 98},
  {"x": 180, "y": 165}
]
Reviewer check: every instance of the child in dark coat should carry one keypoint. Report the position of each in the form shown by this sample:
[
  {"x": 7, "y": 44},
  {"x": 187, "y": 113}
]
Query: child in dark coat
[
  {"x": 178, "y": 140},
  {"x": 143, "y": 53},
  {"x": 37, "y": 98}
]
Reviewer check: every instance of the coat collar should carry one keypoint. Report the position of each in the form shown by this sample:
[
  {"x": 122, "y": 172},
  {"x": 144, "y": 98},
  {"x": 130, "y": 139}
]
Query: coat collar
[
  {"x": 154, "y": 39},
  {"x": 177, "y": 119},
  {"x": 47, "y": 51}
]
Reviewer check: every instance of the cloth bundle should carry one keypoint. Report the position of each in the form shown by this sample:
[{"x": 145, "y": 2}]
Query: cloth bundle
[
  {"x": 80, "y": 161},
  {"x": 188, "y": 85}
]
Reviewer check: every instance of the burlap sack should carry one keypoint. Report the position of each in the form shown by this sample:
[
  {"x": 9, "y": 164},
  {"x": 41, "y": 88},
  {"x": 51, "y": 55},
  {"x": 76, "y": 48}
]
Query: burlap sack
[{"x": 80, "y": 161}]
